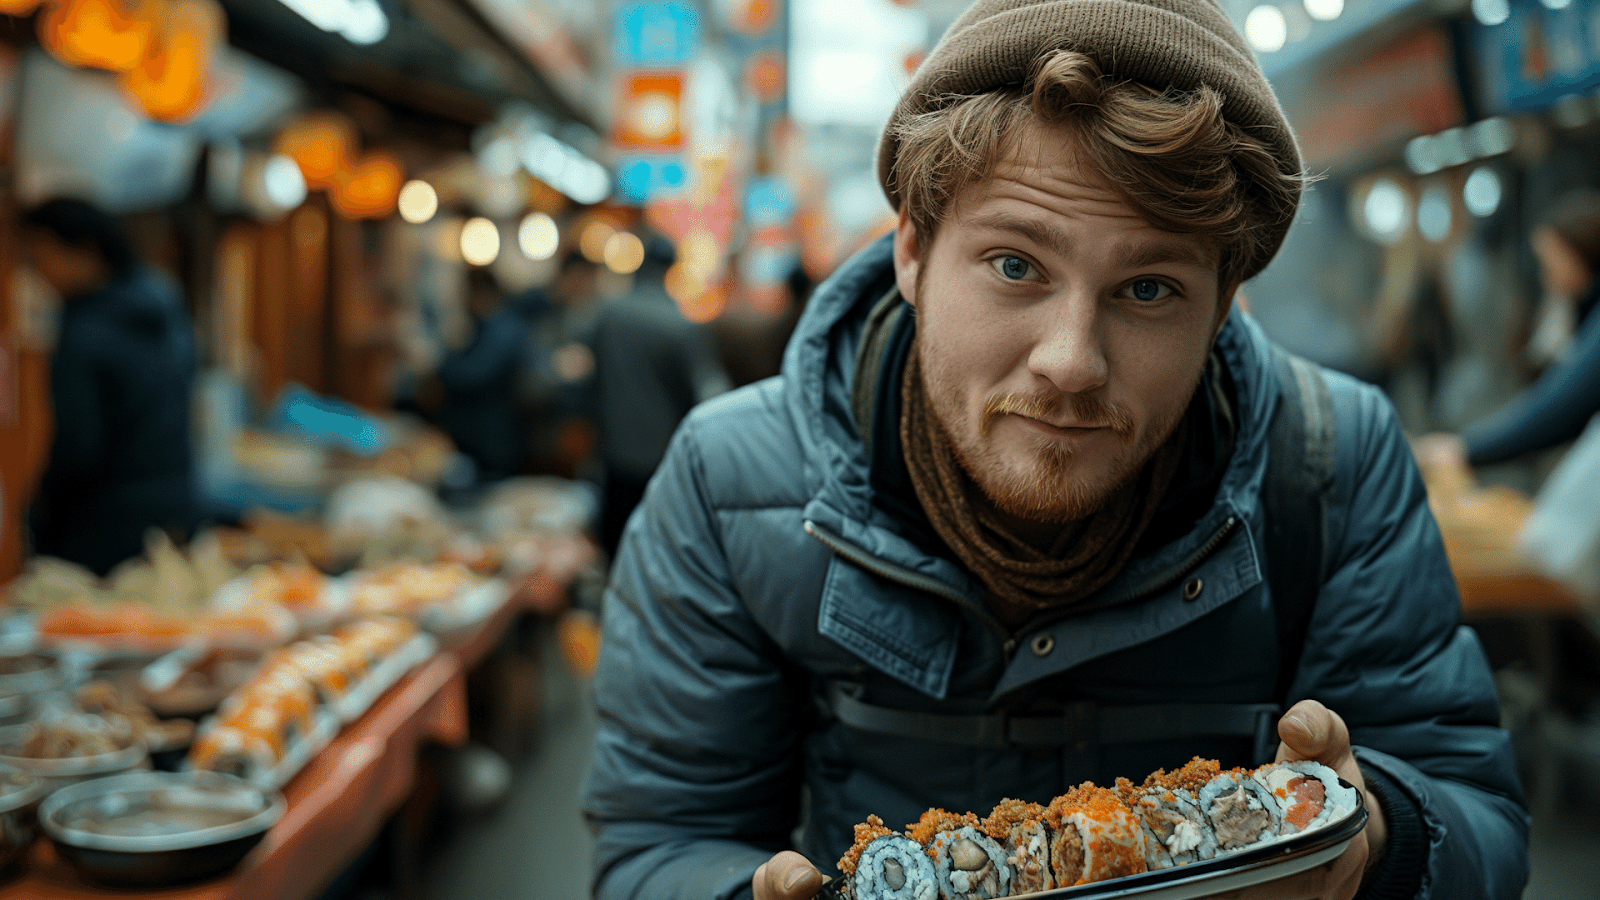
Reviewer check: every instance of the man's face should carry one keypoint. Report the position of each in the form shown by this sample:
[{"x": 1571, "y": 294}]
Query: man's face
[{"x": 1061, "y": 337}]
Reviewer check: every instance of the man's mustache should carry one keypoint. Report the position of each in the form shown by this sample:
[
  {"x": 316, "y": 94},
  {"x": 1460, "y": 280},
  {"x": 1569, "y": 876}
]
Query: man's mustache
[{"x": 1081, "y": 409}]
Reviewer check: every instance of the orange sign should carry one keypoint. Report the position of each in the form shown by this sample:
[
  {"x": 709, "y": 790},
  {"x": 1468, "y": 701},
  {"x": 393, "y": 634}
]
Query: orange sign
[
  {"x": 752, "y": 17},
  {"x": 650, "y": 112},
  {"x": 765, "y": 76}
]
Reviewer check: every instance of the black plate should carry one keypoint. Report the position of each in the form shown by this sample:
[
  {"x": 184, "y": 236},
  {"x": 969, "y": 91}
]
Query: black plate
[{"x": 1254, "y": 865}]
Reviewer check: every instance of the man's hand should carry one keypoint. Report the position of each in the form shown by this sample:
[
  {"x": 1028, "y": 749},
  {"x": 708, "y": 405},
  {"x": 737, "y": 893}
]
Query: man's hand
[
  {"x": 787, "y": 876},
  {"x": 1310, "y": 730}
]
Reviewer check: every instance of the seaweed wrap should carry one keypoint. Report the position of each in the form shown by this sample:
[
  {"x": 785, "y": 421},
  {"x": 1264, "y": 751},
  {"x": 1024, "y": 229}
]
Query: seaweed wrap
[
  {"x": 1241, "y": 810},
  {"x": 1020, "y": 829},
  {"x": 886, "y": 865},
  {"x": 1308, "y": 794},
  {"x": 1168, "y": 808},
  {"x": 968, "y": 864},
  {"x": 1095, "y": 837}
]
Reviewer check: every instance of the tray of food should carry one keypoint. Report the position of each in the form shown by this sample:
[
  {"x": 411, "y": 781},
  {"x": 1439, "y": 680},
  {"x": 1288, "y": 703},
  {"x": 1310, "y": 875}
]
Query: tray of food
[
  {"x": 302, "y": 695},
  {"x": 1193, "y": 832}
]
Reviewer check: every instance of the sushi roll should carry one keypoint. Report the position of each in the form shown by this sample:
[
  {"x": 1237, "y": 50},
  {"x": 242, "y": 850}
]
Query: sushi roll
[
  {"x": 968, "y": 864},
  {"x": 232, "y": 751},
  {"x": 1096, "y": 837},
  {"x": 886, "y": 865},
  {"x": 1019, "y": 827},
  {"x": 1308, "y": 794},
  {"x": 1167, "y": 805},
  {"x": 1241, "y": 810}
]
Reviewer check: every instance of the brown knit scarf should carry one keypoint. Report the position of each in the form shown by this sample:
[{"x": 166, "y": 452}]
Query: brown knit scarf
[{"x": 1019, "y": 578}]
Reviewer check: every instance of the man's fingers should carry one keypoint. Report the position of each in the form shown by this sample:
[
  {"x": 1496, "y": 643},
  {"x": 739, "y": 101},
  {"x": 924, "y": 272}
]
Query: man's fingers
[{"x": 787, "y": 876}]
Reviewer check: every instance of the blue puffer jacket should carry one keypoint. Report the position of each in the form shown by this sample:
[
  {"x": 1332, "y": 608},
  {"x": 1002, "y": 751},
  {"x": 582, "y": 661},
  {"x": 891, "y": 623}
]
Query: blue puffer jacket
[{"x": 763, "y": 571}]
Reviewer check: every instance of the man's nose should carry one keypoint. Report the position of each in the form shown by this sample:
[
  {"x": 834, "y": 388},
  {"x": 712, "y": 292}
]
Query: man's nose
[{"x": 1069, "y": 350}]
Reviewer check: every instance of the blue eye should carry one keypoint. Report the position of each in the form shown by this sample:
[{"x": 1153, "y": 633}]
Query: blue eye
[
  {"x": 1014, "y": 267},
  {"x": 1148, "y": 290}
]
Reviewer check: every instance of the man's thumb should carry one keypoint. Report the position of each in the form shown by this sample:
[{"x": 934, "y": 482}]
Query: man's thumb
[{"x": 1305, "y": 730}]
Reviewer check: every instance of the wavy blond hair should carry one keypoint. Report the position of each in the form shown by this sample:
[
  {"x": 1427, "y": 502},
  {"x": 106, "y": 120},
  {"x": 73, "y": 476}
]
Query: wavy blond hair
[{"x": 1170, "y": 154}]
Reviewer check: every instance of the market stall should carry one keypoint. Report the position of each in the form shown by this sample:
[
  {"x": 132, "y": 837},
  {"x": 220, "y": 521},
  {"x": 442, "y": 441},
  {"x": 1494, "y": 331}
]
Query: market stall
[{"x": 237, "y": 655}]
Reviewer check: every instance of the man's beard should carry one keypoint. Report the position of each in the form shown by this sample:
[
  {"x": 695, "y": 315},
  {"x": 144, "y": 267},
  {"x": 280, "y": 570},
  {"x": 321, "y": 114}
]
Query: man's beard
[{"x": 1048, "y": 487}]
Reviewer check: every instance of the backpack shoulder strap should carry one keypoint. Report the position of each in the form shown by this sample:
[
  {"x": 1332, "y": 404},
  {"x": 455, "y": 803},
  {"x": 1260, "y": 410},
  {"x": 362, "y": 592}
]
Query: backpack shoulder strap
[{"x": 1294, "y": 495}]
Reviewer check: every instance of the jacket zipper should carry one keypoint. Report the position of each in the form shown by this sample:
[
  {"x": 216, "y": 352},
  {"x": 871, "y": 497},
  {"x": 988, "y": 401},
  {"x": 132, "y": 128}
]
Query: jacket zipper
[{"x": 915, "y": 580}]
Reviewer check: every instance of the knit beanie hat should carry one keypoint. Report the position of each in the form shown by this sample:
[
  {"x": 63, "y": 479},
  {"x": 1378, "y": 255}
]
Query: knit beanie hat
[{"x": 1182, "y": 44}]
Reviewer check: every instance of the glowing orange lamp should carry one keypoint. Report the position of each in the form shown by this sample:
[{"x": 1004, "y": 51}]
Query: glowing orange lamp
[
  {"x": 100, "y": 34},
  {"x": 322, "y": 144},
  {"x": 169, "y": 83},
  {"x": 370, "y": 190}
]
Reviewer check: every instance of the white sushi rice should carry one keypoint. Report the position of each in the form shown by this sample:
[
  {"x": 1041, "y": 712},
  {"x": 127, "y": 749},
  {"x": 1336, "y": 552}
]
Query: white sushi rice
[{"x": 915, "y": 868}]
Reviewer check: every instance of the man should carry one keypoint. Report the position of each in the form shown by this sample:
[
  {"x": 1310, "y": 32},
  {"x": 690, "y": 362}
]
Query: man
[
  {"x": 1010, "y": 518},
  {"x": 480, "y": 381},
  {"x": 121, "y": 384},
  {"x": 651, "y": 367}
]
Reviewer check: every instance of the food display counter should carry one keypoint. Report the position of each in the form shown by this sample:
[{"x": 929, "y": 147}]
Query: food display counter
[
  {"x": 336, "y": 804},
  {"x": 347, "y": 679}
]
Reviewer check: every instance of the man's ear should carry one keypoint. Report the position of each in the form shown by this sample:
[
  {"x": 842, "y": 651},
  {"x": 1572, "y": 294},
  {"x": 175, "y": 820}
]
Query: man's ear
[{"x": 907, "y": 257}]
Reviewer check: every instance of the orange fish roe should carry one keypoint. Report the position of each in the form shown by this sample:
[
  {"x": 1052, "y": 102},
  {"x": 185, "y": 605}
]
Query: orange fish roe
[
  {"x": 1112, "y": 844},
  {"x": 925, "y": 830},
  {"x": 1087, "y": 797},
  {"x": 866, "y": 833},
  {"x": 1309, "y": 797},
  {"x": 1008, "y": 814},
  {"x": 936, "y": 820},
  {"x": 1192, "y": 777}
]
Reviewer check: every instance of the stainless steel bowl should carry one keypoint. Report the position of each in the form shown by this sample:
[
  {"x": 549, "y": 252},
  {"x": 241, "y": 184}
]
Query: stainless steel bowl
[
  {"x": 29, "y": 673},
  {"x": 24, "y": 676},
  {"x": 150, "y": 829},
  {"x": 58, "y": 772}
]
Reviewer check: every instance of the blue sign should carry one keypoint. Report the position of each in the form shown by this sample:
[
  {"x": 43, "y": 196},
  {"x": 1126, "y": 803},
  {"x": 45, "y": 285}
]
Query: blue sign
[
  {"x": 768, "y": 201},
  {"x": 641, "y": 179},
  {"x": 1539, "y": 55},
  {"x": 648, "y": 33}
]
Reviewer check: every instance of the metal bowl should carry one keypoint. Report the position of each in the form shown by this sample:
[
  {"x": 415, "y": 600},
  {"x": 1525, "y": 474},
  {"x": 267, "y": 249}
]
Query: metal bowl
[
  {"x": 29, "y": 673},
  {"x": 58, "y": 772},
  {"x": 23, "y": 676},
  {"x": 150, "y": 829}
]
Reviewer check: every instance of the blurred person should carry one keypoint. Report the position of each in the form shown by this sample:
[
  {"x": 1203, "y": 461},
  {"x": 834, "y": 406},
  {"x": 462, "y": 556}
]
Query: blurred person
[
  {"x": 1027, "y": 475},
  {"x": 749, "y": 343},
  {"x": 121, "y": 387},
  {"x": 651, "y": 366},
  {"x": 480, "y": 381},
  {"x": 1555, "y": 409},
  {"x": 555, "y": 382}
]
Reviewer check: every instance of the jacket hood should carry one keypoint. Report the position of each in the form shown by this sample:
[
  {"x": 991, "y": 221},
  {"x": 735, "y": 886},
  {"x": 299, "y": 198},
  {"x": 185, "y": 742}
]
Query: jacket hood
[{"x": 819, "y": 370}]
